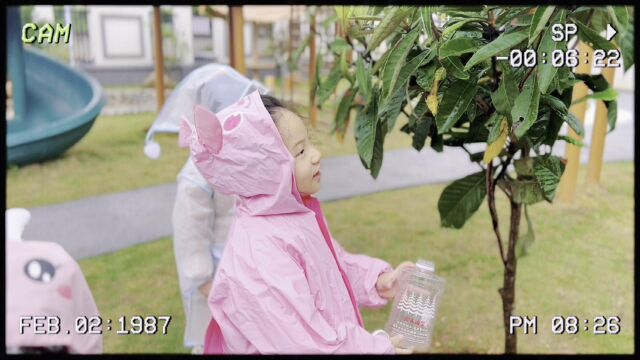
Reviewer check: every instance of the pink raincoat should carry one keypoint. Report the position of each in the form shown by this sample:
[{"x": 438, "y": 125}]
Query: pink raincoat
[{"x": 284, "y": 285}]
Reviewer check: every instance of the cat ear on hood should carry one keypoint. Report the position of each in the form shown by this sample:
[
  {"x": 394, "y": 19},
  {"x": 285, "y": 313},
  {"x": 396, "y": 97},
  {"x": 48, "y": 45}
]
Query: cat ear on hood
[
  {"x": 208, "y": 129},
  {"x": 185, "y": 133}
]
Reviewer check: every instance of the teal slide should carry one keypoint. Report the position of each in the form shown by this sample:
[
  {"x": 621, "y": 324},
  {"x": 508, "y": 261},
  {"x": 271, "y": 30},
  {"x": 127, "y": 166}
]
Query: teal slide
[{"x": 55, "y": 105}]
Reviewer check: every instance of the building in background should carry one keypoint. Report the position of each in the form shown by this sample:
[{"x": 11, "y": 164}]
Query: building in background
[{"x": 115, "y": 43}]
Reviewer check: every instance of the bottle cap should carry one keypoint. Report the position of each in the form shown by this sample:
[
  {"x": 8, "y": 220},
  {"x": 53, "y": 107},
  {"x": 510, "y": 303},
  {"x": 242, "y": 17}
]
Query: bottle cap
[{"x": 426, "y": 265}]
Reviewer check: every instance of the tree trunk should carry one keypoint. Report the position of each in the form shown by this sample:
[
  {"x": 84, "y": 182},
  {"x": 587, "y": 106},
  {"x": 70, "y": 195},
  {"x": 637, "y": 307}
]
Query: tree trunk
[{"x": 508, "y": 290}]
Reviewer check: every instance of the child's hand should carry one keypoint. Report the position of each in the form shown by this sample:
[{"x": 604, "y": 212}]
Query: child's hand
[
  {"x": 396, "y": 340},
  {"x": 386, "y": 281}
]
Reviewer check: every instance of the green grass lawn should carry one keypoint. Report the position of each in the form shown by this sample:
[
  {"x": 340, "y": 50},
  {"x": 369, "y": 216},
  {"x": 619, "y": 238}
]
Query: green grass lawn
[
  {"x": 581, "y": 264},
  {"x": 110, "y": 159}
]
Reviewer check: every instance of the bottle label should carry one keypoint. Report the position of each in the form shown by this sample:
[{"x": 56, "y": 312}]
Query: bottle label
[{"x": 416, "y": 312}]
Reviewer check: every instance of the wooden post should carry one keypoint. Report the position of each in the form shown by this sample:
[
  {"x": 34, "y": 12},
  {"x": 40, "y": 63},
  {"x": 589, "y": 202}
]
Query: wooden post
[
  {"x": 289, "y": 77},
  {"x": 313, "y": 112},
  {"x": 567, "y": 186},
  {"x": 596, "y": 150},
  {"x": 270, "y": 82},
  {"x": 254, "y": 50},
  {"x": 157, "y": 22},
  {"x": 236, "y": 39}
]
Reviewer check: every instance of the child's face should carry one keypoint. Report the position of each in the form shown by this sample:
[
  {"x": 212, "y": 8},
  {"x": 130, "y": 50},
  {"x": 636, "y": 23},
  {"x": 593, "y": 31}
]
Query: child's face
[{"x": 295, "y": 137}]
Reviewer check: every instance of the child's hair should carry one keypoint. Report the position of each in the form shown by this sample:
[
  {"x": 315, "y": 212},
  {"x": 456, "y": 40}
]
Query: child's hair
[{"x": 272, "y": 104}]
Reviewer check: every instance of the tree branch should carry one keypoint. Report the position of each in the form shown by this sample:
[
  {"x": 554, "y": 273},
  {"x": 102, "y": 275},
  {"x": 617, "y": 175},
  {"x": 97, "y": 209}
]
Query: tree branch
[
  {"x": 505, "y": 165},
  {"x": 468, "y": 152},
  {"x": 531, "y": 69},
  {"x": 525, "y": 78},
  {"x": 491, "y": 199}
]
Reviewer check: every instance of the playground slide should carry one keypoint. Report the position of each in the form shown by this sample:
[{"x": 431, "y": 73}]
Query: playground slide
[{"x": 61, "y": 105}]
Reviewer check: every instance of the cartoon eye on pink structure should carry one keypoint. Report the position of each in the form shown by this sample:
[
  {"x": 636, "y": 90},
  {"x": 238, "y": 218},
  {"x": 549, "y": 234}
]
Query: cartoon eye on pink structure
[{"x": 49, "y": 305}]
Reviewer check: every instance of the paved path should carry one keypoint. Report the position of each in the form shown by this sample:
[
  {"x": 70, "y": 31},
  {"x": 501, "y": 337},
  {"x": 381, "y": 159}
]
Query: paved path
[{"x": 108, "y": 223}]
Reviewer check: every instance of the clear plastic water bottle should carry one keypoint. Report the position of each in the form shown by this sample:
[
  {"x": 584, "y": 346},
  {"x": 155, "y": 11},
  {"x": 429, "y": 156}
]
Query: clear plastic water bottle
[{"x": 415, "y": 305}]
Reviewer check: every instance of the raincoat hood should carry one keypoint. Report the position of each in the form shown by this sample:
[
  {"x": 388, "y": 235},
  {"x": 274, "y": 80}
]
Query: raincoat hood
[{"x": 239, "y": 151}]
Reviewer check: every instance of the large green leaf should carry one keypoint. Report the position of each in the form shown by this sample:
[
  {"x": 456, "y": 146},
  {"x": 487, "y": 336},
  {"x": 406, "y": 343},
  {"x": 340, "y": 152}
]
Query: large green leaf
[
  {"x": 378, "y": 148},
  {"x": 339, "y": 45},
  {"x": 620, "y": 16},
  {"x": 342, "y": 114},
  {"x": 388, "y": 25},
  {"x": 556, "y": 121},
  {"x": 437, "y": 141},
  {"x": 456, "y": 47},
  {"x": 546, "y": 71},
  {"x": 380, "y": 63},
  {"x": 526, "y": 191},
  {"x": 420, "y": 123},
  {"x": 344, "y": 67},
  {"x": 592, "y": 38},
  {"x": 505, "y": 96},
  {"x": 626, "y": 44},
  {"x": 454, "y": 67},
  {"x": 609, "y": 94},
  {"x": 422, "y": 127},
  {"x": 365, "y": 132},
  {"x": 539, "y": 21},
  {"x": 598, "y": 84},
  {"x": 454, "y": 103},
  {"x": 510, "y": 14},
  {"x": 523, "y": 21},
  {"x": 560, "y": 108},
  {"x": 548, "y": 171},
  {"x": 328, "y": 86},
  {"x": 595, "y": 83},
  {"x": 366, "y": 18},
  {"x": 411, "y": 67},
  {"x": 525, "y": 109},
  {"x": 427, "y": 22},
  {"x": 418, "y": 111},
  {"x": 525, "y": 241},
  {"x": 363, "y": 78},
  {"x": 460, "y": 199},
  {"x": 524, "y": 167},
  {"x": 565, "y": 80},
  {"x": 390, "y": 109},
  {"x": 571, "y": 140},
  {"x": 503, "y": 42},
  {"x": 425, "y": 75},
  {"x": 448, "y": 32},
  {"x": 612, "y": 113},
  {"x": 496, "y": 129},
  {"x": 396, "y": 61},
  {"x": 538, "y": 132}
]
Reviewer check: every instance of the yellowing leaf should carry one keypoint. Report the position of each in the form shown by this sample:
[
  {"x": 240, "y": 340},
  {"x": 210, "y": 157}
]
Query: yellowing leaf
[
  {"x": 496, "y": 147},
  {"x": 432, "y": 99},
  {"x": 432, "y": 103}
]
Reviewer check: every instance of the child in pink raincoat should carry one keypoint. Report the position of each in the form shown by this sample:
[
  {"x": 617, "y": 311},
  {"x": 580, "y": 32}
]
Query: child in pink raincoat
[{"x": 283, "y": 285}]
